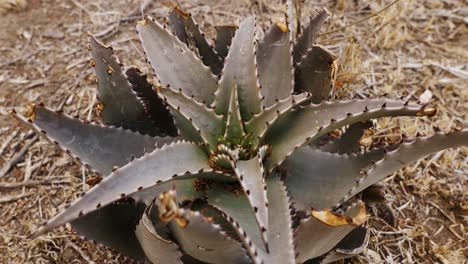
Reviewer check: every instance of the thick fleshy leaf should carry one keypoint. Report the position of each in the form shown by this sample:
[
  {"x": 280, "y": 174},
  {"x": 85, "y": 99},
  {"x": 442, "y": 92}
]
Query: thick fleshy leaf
[
  {"x": 251, "y": 177},
  {"x": 275, "y": 69},
  {"x": 240, "y": 66},
  {"x": 185, "y": 128},
  {"x": 224, "y": 35},
  {"x": 409, "y": 152},
  {"x": 302, "y": 125},
  {"x": 157, "y": 248},
  {"x": 279, "y": 233},
  {"x": 186, "y": 191},
  {"x": 119, "y": 105},
  {"x": 348, "y": 142},
  {"x": 237, "y": 207},
  {"x": 188, "y": 31},
  {"x": 153, "y": 105},
  {"x": 93, "y": 145},
  {"x": 315, "y": 182},
  {"x": 209, "y": 211},
  {"x": 204, "y": 240},
  {"x": 328, "y": 229},
  {"x": 234, "y": 127},
  {"x": 309, "y": 35},
  {"x": 315, "y": 73},
  {"x": 113, "y": 226},
  {"x": 373, "y": 194},
  {"x": 176, "y": 22},
  {"x": 174, "y": 63},
  {"x": 259, "y": 124},
  {"x": 160, "y": 165},
  {"x": 203, "y": 119},
  {"x": 354, "y": 243},
  {"x": 319, "y": 180}
]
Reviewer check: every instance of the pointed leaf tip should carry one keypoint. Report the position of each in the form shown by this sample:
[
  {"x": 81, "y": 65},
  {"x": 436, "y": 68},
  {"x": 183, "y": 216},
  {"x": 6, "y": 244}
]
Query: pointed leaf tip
[
  {"x": 118, "y": 103},
  {"x": 279, "y": 233},
  {"x": 170, "y": 59},
  {"x": 275, "y": 65},
  {"x": 90, "y": 144},
  {"x": 307, "y": 39},
  {"x": 188, "y": 32},
  {"x": 224, "y": 35},
  {"x": 196, "y": 115},
  {"x": 240, "y": 66},
  {"x": 153, "y": 106},
  {"x": 151, "y": 169},
  {"x": 234, "y": 125},
  {"x": 294, "y": 129}
]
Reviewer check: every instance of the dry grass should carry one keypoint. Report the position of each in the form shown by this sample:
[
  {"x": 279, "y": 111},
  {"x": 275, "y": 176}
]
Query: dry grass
[
  {"x": 415, "y": 49},
  {"x": 11, "y": 5}
]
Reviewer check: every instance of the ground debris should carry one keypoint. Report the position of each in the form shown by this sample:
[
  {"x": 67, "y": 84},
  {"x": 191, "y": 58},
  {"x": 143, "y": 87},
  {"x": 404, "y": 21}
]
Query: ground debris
[{"x": 407, "y": 49}]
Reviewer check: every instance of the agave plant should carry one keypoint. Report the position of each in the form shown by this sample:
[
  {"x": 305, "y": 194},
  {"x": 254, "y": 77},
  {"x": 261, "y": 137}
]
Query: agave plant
[{"x": 229, "y": 158}]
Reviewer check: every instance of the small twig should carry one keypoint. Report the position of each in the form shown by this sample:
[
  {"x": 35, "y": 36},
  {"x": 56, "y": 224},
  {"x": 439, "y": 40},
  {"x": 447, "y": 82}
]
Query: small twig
[
  {"x": 110, "y": 31},
  {"x": 82, "y": 7},
  {"x": 43, "y": 158},
  {"x": 83, "y": 178},
  {"x": 7, "y": 199},
  {"x": 27, "y": 171},
  {"x": 24, "y": 137},
  {"x": 82, "y": 254},
  {"x": 455, "y": 233},
  {"x": 8, "y": 141},
  {"x": 210, "y": 3},
  {"x": 29, "y": 183},
  {"x": 20, "y": 58},
  {"x": 362, "y": 20},
  {"x": 129, "y": 19},
  {"x": 17, "y": 157},
  {"x": 443, "y": 212}
]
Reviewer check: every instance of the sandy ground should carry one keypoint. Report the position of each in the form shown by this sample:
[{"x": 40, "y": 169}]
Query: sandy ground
[{"x": 414, "y": 49}]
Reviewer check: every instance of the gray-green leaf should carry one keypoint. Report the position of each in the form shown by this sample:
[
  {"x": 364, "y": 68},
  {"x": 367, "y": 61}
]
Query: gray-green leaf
[
  {"x": 304, "y": 124},
  {"x": 91, "y": 144},
  {"x": 203, "y": 119},
  {"x": 113, "y": 226},
  {"x": 308, "y": 37},
  {"x": 188, "y": 31},
  {"x": 319, "y": 180},
  {"x": 275, "y": 69},
  {"x": 175, "y": 64},
  {"x": 251, "y": 177},
  {"x": 156, "y": 248},
  {"x": 240, "y": 66},
  {"x": 279, "y": 233},
  {"x": 348, "y": 142},
  {"x": 224, "y": 35},
  {"x": 315, "y": 73},
  {"x": 354, "y": 243},
  {"x": 328, "y": 229},
  {"x": 153, "y": 105},
  {"x": 204, "y": 240},
  {"x": 151, "y": 169},
  {"x": 119, "y": 104}
]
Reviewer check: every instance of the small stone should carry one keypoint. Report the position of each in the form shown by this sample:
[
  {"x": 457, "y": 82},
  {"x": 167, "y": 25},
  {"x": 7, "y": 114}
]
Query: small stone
[{"x": 425, "y": 97}]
